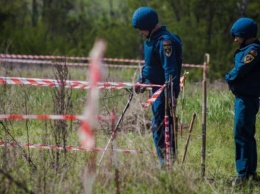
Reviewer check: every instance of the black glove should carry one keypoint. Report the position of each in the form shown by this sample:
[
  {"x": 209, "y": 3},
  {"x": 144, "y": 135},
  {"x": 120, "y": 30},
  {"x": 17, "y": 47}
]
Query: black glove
[{"x": 139, "y": 89}]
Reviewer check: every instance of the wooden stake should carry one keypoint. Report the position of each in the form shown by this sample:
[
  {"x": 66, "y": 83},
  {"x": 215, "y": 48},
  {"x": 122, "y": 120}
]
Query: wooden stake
[
  {"x": 188, "y": 138},
  {"x": 204, "y": 113}
]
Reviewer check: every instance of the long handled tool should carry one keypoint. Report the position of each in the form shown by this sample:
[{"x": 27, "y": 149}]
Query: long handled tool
[
  {"x": 118, "y": 123},
  {"x": 188, "y": 139}
]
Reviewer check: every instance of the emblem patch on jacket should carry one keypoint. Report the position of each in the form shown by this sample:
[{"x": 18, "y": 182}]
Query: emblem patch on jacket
[
  {"x": 167, "y": 46},
  {"x": 250, "y": 56}
]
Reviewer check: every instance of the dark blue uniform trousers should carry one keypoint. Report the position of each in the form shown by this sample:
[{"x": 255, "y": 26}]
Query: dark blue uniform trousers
[
  {"x": 246, "y": 109},
  {"x": 158, "y": 110}
]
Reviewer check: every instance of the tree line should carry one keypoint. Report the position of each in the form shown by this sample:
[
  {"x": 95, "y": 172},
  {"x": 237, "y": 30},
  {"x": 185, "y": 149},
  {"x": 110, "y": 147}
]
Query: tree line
[{"x": 65, "y": 27}]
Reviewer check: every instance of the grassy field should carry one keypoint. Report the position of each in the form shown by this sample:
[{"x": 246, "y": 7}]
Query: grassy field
[{"x": 24, "y": 170}]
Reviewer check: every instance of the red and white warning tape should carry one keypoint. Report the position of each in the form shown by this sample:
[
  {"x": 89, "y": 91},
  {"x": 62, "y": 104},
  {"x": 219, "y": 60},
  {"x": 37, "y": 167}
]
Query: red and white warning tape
[
  {"x": 69, "y": 83},
  {"x": 49, "y": 117},
  {"x": 10, "y": 58},
  {"x": 151, "y": 100},
  {"x": 86, "y": 85},
  {"x": 167, "y": 142},
  {"x": 17, "y": 56}
]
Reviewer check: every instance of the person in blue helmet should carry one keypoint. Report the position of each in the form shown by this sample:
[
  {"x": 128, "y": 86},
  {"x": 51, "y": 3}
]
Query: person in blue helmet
[
  {"x": 163, "y": 57},
  {"x": 244, "y": 82}
]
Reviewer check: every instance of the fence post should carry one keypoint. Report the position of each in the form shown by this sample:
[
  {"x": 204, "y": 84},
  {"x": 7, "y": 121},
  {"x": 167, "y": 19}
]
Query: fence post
[{"x": 204, "y": 113}]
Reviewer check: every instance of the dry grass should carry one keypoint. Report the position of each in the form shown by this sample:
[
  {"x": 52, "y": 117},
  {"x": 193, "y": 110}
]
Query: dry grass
[{"x": 59, "y": 171}]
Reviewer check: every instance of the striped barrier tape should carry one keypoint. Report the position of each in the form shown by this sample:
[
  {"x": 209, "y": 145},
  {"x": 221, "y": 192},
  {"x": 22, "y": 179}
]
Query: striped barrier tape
[
  {"x": 17, "y": 56},
  {"x": 167, "y": 142},
  {"x": 69, "y": 83},
  {"x": 9, "y": 57},
  {"x": 49, "y": 117},
  {"x": 151, "y": 100},
  {"x": 86, "y": 85}
]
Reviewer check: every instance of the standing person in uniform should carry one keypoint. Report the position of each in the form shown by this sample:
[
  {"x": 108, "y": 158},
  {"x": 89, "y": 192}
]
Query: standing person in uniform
[
  {"x": 244, "y": 82},
  {"x": 163, "y": 57}
]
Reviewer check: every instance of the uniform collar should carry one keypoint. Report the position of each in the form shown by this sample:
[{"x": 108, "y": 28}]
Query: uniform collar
[
  {"x": 245, "y": 47},
  {"x": 157, "y": 33}
]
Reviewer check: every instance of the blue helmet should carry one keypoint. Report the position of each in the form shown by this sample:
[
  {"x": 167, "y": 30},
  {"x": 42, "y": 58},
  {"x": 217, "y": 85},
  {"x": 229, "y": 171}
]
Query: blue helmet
[
  {"x": 145, "y": 18},
  {"x": 244, "y": 27}
]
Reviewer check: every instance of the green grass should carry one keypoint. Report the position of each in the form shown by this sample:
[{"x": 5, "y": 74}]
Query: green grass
[{"x": 52, "y": 171}]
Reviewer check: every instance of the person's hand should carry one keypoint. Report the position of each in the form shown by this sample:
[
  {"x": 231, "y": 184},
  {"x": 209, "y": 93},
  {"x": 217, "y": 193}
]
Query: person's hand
[{"x": 139, "y": 89}]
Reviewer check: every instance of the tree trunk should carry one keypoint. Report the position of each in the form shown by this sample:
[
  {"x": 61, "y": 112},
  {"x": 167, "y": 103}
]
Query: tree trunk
[{"x": 34, "y": 13}]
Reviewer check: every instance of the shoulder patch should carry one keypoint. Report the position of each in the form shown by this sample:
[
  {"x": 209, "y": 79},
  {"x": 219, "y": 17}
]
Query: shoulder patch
[
  {"x": 248, "y": 58},
  {"x": 167, "y": 47}
]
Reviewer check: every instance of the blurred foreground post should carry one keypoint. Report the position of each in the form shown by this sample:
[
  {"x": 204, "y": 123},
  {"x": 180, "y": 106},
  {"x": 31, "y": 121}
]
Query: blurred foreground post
[{"x": 86, "y": 134}]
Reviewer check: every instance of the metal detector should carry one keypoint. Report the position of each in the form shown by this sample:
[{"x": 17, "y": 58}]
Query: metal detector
[{"x": 118, "y": 123}]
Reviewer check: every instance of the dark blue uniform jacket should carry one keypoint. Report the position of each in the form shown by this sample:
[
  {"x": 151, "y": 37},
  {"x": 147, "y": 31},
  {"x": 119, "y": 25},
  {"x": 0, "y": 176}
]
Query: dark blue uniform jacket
[
  {"x": 244, "y": 78},
  {"x": 163, "y": 57}
]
